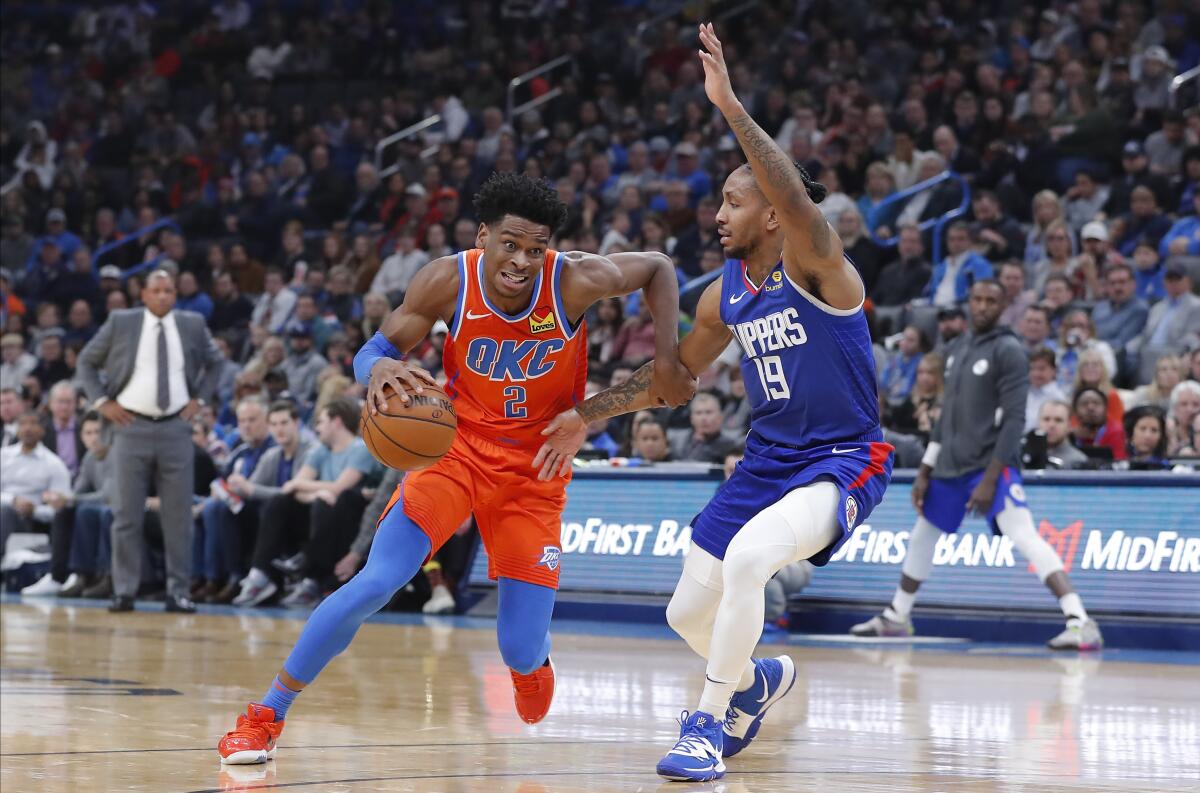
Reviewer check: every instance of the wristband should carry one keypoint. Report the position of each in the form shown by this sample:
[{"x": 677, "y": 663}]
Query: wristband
[{"x": 931, "y": 454}]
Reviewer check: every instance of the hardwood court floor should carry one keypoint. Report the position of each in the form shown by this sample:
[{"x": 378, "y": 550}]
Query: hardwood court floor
[{"x": 97, "y": 702}]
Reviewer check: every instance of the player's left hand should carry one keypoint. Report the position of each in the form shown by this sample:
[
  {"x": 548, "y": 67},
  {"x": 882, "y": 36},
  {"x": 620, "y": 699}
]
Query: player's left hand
[
  {"x": 566, "y": 434},
  {"x": 672, "y": 384},
  {"x": 716, "y": 73},
  {"x": 982, "y": 497}
]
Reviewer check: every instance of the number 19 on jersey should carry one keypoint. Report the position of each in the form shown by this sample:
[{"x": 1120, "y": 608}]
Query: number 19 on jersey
[{"x": 770, "y": 373}]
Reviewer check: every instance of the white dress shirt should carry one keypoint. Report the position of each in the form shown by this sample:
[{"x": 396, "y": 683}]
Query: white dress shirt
[
  {"x": 140, "y": 394},
  {"x": 31, "y": 474}
]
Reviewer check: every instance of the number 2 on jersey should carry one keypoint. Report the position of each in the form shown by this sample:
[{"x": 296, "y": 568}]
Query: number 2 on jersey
[
  {"x": 514, "y": 402},
  {"x": 770, "y": 372}
]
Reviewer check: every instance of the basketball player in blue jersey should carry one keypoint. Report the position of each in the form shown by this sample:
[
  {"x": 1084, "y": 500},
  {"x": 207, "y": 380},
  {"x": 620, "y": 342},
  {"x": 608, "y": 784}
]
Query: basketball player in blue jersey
[{"x": 815, "y": 463}]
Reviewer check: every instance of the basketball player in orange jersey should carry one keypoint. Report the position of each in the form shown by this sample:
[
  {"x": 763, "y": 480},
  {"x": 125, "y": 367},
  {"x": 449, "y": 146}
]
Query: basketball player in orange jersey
[{"x": 516, "y": 357}]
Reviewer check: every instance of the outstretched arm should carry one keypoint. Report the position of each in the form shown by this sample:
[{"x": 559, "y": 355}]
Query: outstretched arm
[
  {"x": 588, "y": 278},
  {"x": 811, "y": 246},
  {"x": 704, "y": 344}
]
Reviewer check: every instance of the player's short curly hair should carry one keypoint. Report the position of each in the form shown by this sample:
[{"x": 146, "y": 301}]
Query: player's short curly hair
[
  {"x": 816, "y": 190},
  {"x": 516, "y": 194}
]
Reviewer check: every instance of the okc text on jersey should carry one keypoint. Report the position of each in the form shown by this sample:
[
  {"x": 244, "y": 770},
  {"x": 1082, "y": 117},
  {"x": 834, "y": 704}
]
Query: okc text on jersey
[{"x": 776, "y": 331}]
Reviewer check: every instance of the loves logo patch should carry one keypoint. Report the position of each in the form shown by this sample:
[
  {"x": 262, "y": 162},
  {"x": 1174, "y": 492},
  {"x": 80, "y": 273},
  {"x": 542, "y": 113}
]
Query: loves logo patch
[{"x": 543, "y": 323}]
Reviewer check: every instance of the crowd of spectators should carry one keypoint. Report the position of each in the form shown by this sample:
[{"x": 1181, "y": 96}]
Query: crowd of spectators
[{"x": 234, "y": 144}]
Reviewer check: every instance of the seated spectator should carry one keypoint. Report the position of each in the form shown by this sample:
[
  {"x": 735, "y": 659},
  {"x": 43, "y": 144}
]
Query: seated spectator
[
  {"x": 1183, "y": 238},
  {"x": 1173, "y": 325},
  {"x": 1017, "y": 297},
  {"x": 190, "y": 298},
  {"x": 1183, "y": 418},
  {"x": 1147, "y": 431},
  {"x": 1085, "y": 200},
  {"x": 1135, "y": 172},
  {"x": 737, "y": 406},
  {"x": 84, "y": 520},
  {"x": 1076, "y": 336},
  {"x": 880, "y": 185},
  {"x": 17, "y": 363},
  {"x": 302, "y": 364},
  {"x": 1034, "y": 329},
  {"x": 929, "y": 203},
  {"x": 704, "y": 441},
  {"x": 1093, "y": 428},
  {"x": 900, "y": 372},
  {"x": 224, "y": 518},
  {"x": 362, "y": 262},
  {"x": 1054, "y": 421},
  {"x": 343, "y": 303},
  {"x": 917, "y": 414},
  {"x": 398, "y": 269},
  {"x": 1058, "y": 259},
  {"x": 1092, "y": 373},
  {"x": 603, "y": 327},
  {"x": 62, "y": 426},
  {"x": 1043, "y": 385},
  {"x": 953, "y": 276},
  {"x": 1145, "y": 221},
  {"x": 231, "y": 310},
  {"x": 904, "y": 279},
  {"x": 375, "y": 310},
  {"x": 28, "y": 470},
  {"x": 308, "y": 315},
  {"x": 650, "y": 442},
  {"x": 635, "y": 340},
  {"x": 52, "y": 364},
  {"x": 12, "y": 405},
  {"x": 1058, "y": 299},
  {"x": 865, "y": 254},
  {"x": 316, "y": 511},
  {"x": 1168, "y": 373},
  {"x": 997, "y": 237},
  {"x": 1149, "y": 272},
  {"x": 274, "y": 308},
  {"x": 80, "y": 325},
  {"x": 1121, "y": 315}
]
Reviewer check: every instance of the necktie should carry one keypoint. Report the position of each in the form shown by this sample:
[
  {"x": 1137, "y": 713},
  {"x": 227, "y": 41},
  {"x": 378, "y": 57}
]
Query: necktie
[{"x": 164, "y": 386}]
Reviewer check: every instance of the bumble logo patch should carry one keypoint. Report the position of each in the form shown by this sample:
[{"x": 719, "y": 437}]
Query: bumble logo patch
[
  {"x": 776, "y": 282},
  {"x": 543, "y": 323}
]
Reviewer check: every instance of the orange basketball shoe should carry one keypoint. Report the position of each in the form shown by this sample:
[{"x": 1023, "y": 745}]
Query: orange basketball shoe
[
  {"x": 253, "y": 739},
  {"x": 534, "y": 692}
]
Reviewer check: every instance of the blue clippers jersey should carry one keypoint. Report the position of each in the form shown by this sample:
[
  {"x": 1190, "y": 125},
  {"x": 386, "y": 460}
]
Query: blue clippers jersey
[{"x": 808, "y": 368}]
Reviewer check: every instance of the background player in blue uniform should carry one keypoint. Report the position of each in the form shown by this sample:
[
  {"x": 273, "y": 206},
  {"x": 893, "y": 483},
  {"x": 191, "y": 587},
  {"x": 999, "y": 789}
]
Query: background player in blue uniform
[
  {"x": 972, "y": 463},
  {"x": 815, "y": 463}
]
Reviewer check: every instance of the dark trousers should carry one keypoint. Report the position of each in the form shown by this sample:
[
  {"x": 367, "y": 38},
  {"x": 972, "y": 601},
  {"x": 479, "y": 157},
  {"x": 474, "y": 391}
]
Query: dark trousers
[
  {"x": 282, "y": 529},
  {"x": 91, "y": 543},
  {"x": 62, "y": 529},
  {"x": 331, "y": 530},
  {"x": 218, "y": 549}
]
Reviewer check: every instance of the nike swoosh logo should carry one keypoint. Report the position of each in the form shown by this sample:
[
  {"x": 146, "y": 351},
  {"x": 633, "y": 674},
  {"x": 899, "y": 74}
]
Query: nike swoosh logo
[
  {"x": 473, "y": 315},
  {"x": 733, "y": 299},
  {"x": 836, "y": 450},
  {"x": 766, "y": 688}
]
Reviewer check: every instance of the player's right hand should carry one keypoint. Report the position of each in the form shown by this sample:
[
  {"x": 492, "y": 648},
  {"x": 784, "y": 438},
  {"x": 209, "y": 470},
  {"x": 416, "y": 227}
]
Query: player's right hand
[
  {"x": 919, "y": 488},
  {"x": 566, "y": 432},
  {"x": 400, "y": 376}
]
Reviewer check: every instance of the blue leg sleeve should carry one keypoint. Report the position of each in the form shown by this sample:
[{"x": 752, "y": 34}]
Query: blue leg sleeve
[
  {"x": 396, "y": 555},
  {"x": 523, "y": 624}
]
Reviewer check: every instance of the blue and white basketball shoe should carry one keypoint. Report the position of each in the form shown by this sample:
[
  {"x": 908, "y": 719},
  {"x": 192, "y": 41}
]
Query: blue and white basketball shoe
[
  {"x": 697, "y": 754},
  {"x": 773, "y": 679}
]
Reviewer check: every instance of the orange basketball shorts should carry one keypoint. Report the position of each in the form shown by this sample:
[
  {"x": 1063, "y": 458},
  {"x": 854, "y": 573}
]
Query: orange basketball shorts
[{"x": 519, "y": 517}]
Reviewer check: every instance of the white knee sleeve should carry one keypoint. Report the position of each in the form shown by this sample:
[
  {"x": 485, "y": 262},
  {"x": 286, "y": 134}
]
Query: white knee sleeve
[
  {"x": 922, "y": 542},
  {"x": 1016, "y": 523},
  {"x": 693, "y": 607}
]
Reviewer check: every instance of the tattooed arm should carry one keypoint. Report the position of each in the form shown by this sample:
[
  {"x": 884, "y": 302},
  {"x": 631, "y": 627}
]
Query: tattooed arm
[
  {"x": 812, "y": 251},
  {"x": 567, "y": 432}
]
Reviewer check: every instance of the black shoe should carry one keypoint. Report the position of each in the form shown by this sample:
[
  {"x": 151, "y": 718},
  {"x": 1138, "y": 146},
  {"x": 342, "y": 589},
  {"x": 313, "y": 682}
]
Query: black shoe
[
  {"x": 121, "y": 603},
  {"x": 100, "y": 590},
  {"x": 178, "y": 604},
  {"x": 292, "y": 565}
]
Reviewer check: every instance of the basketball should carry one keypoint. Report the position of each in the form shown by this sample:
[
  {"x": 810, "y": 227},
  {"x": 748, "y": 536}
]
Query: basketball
[{"x": 413, "y": 435}]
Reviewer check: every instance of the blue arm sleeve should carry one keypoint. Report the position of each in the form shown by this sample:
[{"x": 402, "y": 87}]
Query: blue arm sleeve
[{"x": 376, "y": 347}]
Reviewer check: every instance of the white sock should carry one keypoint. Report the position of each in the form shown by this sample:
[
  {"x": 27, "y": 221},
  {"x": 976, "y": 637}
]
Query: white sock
[
  {"x": 902, "y": 603},
  {"x": 714, "y": 700},
  {"x": 748, "y": 677},
  {"x": 1072, "y": 606}
]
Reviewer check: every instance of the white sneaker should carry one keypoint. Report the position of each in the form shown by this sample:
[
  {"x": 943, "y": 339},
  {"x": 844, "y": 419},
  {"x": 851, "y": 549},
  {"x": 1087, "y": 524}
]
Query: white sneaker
[
  {"x": 1078, "y": 635},
  {"x": 45, "y": 586},
  {"x": 441, "y": 602},
  {"x": 257, "y": 588}
]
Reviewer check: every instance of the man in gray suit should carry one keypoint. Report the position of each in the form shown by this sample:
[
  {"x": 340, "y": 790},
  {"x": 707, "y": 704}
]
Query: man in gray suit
[
  {"x": 1173, "y": 326},
  {"x": 148, "y": 370}
]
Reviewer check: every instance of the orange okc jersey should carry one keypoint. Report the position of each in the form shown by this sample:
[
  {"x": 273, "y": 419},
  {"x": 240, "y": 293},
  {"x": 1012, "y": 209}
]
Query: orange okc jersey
[{"x": 509, "y": 375}]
